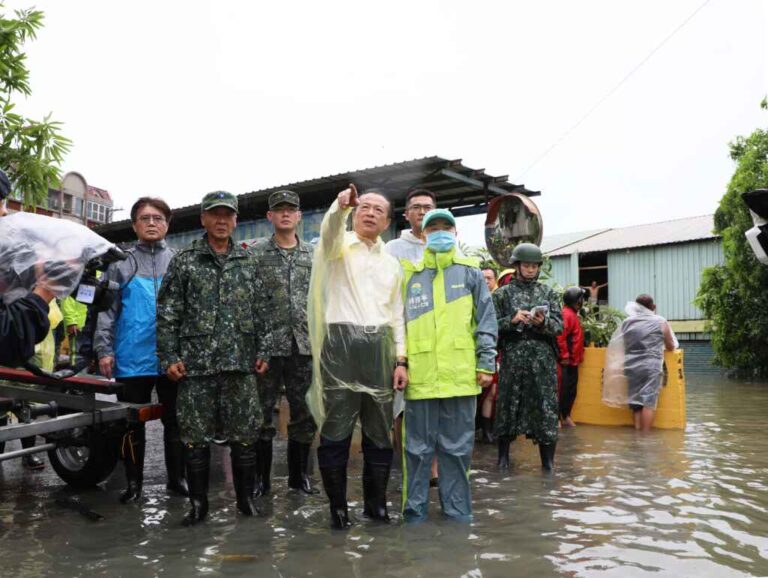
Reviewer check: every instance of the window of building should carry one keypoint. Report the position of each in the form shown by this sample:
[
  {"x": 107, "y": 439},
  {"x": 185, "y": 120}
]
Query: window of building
[
  {"x": 77, "y": 209},
  {"x": 53, "y": 200},
  {"x": 97, "y": 212},
  {"x": 67, "y": 203}
]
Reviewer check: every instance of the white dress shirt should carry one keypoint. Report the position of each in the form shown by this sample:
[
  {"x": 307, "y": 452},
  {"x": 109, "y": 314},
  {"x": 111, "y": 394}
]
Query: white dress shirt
[{"x": 364, "y": 282}]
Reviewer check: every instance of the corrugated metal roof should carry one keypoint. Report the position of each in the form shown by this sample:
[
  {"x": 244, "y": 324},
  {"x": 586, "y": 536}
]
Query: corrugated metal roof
[
  {"x": 663, "y": 233},
  {"x": 463, "y": 189},
  {"x": 554, "y": 242}
]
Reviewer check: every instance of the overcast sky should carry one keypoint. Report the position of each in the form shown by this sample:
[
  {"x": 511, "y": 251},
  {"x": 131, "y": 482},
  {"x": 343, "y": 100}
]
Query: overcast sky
[{"x": 175, "y": 99}]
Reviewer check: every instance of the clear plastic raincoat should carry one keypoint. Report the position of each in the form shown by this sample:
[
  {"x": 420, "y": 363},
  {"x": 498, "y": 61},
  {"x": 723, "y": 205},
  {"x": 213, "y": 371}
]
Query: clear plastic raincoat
[
  {"x": 356, "y": 328},
  {"x": 634, "y": 360}
]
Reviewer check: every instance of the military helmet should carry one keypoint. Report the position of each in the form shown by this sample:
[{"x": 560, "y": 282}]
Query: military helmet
[
  {"x": 573, "y": 295},
  {"x": 527, "y": 253}
]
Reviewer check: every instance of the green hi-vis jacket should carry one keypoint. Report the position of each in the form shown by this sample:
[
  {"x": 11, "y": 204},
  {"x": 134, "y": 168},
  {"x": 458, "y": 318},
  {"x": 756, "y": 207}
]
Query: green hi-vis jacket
[{"x": 450, "y": 326}]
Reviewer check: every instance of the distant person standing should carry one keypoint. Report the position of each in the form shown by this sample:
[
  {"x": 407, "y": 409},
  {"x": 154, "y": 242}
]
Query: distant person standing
[
  {"x": 489, "y": 275},
  {"x": 571, "y": 345},
  {"x": 594, "y": 292},
  {"x": 641, "y": 340},
  {"x": 285, "y": 265}
]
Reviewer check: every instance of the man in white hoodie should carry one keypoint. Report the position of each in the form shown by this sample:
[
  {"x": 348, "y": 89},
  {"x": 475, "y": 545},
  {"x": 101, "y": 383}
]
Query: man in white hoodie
[{"x": 410, "y": 245}]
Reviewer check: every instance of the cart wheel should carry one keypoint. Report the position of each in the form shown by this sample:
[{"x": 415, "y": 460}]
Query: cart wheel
[{"x": 84, "y": 466}]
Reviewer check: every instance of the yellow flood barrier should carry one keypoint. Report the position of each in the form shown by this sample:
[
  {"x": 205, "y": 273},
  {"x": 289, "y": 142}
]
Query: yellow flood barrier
[{"x": 589, "y": 407}]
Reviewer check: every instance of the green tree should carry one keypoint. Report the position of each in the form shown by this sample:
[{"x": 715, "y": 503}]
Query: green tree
[
  {"x": 732, "y": 295},
  {"x": 30, "y": 151}
]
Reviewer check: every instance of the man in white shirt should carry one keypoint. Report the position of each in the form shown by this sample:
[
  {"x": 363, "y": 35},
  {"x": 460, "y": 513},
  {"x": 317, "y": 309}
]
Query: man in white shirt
[{"x": 360, "y": 346}]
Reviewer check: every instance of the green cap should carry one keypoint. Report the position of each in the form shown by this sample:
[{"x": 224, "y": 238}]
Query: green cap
[
  {"x": 283, "y": 198},
  {"x": 218, "y": 199},
  {"x": 438, "y": 214}
]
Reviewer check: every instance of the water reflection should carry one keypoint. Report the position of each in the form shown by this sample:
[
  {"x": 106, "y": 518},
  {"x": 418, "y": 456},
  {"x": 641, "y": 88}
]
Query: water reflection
[{"x": 691, "y": 503}]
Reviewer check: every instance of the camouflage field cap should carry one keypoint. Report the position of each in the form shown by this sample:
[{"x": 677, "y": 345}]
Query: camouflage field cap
[
  {"x": 283, "y": 198},
  {"x": 218, "y": 199}
]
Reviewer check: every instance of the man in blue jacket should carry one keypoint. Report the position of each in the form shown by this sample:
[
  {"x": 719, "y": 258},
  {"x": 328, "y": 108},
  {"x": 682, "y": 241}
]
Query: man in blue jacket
[{"x": 125, "y": 343}]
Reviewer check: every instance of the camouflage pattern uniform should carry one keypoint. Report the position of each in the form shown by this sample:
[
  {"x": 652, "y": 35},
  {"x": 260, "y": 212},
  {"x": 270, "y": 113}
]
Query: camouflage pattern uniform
[
  {"x": 285, "y": 274},
  {"x": 527, "y": 398},
  {"x": 210, "y": 316}
]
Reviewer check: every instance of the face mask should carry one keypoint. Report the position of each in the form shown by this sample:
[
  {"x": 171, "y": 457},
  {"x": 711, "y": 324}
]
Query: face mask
[{"x": 441, "y": 241}]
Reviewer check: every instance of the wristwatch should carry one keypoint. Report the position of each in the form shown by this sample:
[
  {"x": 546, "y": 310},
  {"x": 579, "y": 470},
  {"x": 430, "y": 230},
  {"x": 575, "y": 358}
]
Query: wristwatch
[{"x": 401, "y": 363}]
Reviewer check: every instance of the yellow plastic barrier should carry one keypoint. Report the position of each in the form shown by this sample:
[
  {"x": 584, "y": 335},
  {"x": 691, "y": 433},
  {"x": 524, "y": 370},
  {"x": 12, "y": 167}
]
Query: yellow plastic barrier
[{"x": 589, "y": 408}]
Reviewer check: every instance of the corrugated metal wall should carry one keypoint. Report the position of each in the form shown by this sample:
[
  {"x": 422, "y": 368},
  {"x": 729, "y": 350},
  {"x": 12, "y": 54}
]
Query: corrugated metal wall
[
  {"x": 671, "y": 274},
  {"x": 560, "y": 272}
]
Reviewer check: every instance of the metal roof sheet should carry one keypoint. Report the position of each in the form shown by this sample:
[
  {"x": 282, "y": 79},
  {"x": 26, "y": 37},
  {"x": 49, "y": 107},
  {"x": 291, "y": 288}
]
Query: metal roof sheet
[
  {"x": 663, "y": 233},
  {"x": 553, "y": 242}
]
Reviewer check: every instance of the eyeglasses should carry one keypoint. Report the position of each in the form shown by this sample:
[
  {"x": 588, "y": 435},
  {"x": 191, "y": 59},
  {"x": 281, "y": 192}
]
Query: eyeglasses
[
  {"x": 421, "y": 208},
  {"x": 149, "y": 218}
]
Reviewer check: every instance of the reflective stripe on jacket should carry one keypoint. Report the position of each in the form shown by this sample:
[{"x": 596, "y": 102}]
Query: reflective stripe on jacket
[{"x": 450, "y": 326}]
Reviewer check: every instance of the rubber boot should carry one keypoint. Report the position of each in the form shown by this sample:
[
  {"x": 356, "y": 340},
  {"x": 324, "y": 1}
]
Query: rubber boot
[
  {"x": 32, "y": 461},
  {"x": 486, "y": 424},
  {"x": 244, "y": 462},
  {"x": 298, "y": 467},
  {"x": 132, "y": 453},
  {"x": 335, "y": 484},
  {"x": 375, "y": 480},
  {"x": 174, "y": 466},
  {"x": 547, "y": 453},
  {"x": 503, "y": 463},
  {"x": 263, "y": 468},
  {"x": 198, "y": 462}
]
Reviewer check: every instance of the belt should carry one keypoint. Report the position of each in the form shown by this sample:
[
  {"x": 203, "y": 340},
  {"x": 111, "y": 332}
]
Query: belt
[{"x": 370, "y": 329}]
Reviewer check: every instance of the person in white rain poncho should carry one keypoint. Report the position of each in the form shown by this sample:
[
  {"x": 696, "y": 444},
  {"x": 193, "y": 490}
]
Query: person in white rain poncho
[
  {"x": 635, "y": 359},
  {"x": 357, "y": 333}
]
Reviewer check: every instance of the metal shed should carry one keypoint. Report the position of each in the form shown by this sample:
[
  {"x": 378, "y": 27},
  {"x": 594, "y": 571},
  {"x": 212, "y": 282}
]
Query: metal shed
[{"x": 663, "y": 259}]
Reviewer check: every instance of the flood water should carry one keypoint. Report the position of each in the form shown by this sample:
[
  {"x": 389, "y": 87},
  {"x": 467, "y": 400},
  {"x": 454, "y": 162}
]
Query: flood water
[{"x": 620, "y": 504}]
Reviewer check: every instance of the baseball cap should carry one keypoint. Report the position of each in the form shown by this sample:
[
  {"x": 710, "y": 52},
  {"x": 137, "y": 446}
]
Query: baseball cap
[
  {"x": 438, "y": 214},
  {"x": 218, "y": 199},
  {"x": 283, "y": 198}
]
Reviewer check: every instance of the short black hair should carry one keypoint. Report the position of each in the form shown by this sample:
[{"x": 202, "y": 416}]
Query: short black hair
[
  {"x": 487, "y": 267},
  {"x": 419, "y": 193},
  {"x": 158, "y": 204},
  {"x": 645, "y": 300}
]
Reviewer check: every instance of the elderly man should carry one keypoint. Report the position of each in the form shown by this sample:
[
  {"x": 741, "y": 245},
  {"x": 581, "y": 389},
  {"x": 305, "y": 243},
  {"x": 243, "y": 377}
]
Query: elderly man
[
  {"x": 126, "y": 344},
  {"x": 285, "y": 264},
  {"x": 210, "y": 340},
  {"x": 358, "y": 346}
]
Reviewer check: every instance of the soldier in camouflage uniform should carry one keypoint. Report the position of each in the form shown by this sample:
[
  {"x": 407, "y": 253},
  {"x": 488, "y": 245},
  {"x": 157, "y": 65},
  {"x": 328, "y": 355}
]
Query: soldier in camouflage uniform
[
  {"x": 529, "y": 318},
  {"x": 211, "y": 340},
  {"x": 285, "y": 264}
]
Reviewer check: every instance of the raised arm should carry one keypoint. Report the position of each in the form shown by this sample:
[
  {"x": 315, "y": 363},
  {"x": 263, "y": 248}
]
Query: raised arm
[{"x": 334, "y": 224}]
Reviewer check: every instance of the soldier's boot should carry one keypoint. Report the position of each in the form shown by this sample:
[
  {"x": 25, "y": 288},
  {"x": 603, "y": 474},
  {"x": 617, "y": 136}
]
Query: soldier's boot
[
  {"x": 32, "y": 461},
  {"x": 486, "y": 425},
  {"x": 244, "y": 463},
  {"x": 375, "y": 480},
  {"x": 263, "y": 468},
  {"x": 298, "y": 467},
  {"x": 174, "y": 466},
  {"x": 132, "y": 453},
  {"x": 504, "y": 443},
  {"x": 198, "y": 463},
  {"x": 547, "y": 453},
  {"x": 335, "y": 484}
]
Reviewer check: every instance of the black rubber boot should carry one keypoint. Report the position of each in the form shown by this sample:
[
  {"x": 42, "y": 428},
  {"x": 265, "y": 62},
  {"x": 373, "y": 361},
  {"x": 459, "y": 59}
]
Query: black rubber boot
[
  {"x": 298, "y": 467},
  {"x": 132, "y": 453},
  {"x": 547, "y": 453},
  {"x": 198, "y": 462},
  {"x": 503, "y": 462},
  {"x": 244, "y": 461},
  {"x": 174, "y": 466},
  {"x": 335, "y": 484},
  {"x": 486, "y": 424},
  {"x": 32, "y": 461},
  {"x": 263, "y": 468},
  {"x": 375, "y": 480}
]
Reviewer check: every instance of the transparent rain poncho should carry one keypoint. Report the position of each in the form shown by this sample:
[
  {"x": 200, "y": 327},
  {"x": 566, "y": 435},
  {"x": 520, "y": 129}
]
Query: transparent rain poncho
[
  {"x": 351, "y": 358},
  {"x": 634, "y": 360},
  {"x": 35, "y": 248}
]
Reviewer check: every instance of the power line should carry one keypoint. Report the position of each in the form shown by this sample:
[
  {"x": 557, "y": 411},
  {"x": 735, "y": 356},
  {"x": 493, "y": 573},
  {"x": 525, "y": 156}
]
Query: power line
[{"x": 610, "y": 93}]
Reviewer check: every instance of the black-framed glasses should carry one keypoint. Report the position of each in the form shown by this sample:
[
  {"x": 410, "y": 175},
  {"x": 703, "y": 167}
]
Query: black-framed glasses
[
  {"x": 149, "y": 218},
  {"x": 421, "y": 208}
]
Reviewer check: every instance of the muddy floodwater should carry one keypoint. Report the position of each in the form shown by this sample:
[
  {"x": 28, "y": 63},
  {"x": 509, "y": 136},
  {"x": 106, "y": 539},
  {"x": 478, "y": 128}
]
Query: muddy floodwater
[{"x": 671, "y": 503}]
